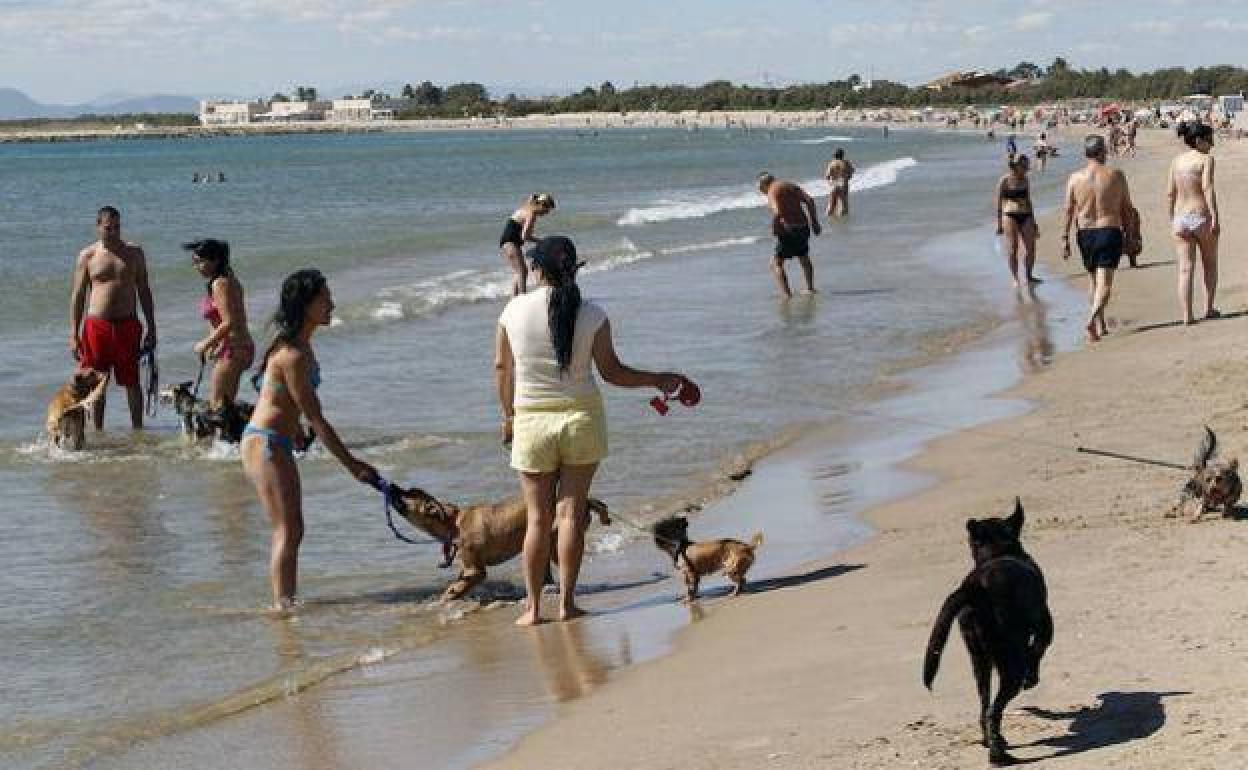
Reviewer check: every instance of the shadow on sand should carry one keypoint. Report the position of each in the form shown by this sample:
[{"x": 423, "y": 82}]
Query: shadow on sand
[
  {"x": 754, "y": 586},
  {"x": 1147, "y": 265},
  {"x": 1120, "y": 717},
  {"x": 1172, "y": 324}
]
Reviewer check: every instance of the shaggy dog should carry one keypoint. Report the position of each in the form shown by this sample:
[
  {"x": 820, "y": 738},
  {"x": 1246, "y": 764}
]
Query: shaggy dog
[
  {"x": 66, "y": 424},
  {"x": 1003, "y": 613},
  {"x": 484, "y": 535},
  {"x": 200, "y": 420},
  {"x": 1216, "y": 485},
  {"x": 696, "y": 560}
]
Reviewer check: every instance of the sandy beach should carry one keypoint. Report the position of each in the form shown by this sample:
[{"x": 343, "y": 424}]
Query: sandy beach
[{"x": 1143, "y": 671}]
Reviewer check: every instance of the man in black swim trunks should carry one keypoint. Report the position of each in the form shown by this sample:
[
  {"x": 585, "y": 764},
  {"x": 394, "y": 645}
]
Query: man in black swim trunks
[
  {"x": 1098, "y": 197},
  {"x": 793, "y": 220}
]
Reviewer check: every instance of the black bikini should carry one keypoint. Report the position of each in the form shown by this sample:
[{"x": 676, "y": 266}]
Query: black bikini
[
  {"x": 513, "y": 232},
  {"x": 1019, "y": 194}
]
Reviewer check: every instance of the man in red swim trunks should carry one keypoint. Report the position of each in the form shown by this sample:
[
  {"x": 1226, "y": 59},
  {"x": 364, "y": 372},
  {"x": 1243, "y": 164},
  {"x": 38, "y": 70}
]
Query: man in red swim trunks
[{"x": 110, "y": 278}]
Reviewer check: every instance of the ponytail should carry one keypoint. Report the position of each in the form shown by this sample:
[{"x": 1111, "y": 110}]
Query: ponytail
[{"x": 556, "y": 256}]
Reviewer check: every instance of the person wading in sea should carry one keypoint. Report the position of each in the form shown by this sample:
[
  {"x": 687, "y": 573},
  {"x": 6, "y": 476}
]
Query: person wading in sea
[
  {"x": 793, "y": 220},
  {"x": 838, "y": 173},
  {"x": 110, "y": 278},
  {"x": 1097, "y": 199}
]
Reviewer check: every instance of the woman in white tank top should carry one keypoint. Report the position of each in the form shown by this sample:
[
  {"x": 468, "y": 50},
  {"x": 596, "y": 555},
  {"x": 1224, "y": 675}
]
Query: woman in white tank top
[{"x": 546, "y": 346}]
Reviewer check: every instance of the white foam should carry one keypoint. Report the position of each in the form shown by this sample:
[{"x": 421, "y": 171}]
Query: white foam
[
  {"x": 388, "y": 311},
  {"x": 878, "y": 175},
  {"x": 821, "y": 140},
  {"x": 469, "y": 286},
  {"x": 610, "y": 542}
]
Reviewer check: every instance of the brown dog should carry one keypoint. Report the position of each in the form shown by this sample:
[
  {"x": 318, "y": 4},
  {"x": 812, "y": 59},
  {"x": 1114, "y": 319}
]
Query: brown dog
[
  {"x": 485, "y": 535},
  {"x": 1216, "y": 485},
  {"x": 66, "y": 425},
  {"x": 696, "y": 560}
]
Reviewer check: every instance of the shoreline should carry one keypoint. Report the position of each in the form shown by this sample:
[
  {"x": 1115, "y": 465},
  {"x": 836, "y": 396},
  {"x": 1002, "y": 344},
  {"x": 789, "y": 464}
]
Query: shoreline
[
  {"x": 746, "y": 120},
  {"x": 844, "y": 690}
]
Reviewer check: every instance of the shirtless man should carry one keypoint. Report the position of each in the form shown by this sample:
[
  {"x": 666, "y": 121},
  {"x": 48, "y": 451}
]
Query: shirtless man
[
  {"x": 110, "y": 278},
  {"x": 1098, "y": 199},
  {"x": 793, "y": 220},
  {"x": 838, "y": 174}
]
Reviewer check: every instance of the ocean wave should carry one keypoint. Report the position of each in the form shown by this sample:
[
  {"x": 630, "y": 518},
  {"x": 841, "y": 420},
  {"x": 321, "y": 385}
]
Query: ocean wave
[
  {"x": 878, "y": 175},
  {"x": 821, "y": 140},
  {"x": 463, "y": 287}
]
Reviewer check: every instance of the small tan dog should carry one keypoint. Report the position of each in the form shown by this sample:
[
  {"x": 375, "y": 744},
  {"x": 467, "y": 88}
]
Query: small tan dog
[
  {"x": 1215, "y": 484},
  {"x": 484, "y": 535},
  {"x": 67, "y": 414},
  {"x": 696, "y": 560}
]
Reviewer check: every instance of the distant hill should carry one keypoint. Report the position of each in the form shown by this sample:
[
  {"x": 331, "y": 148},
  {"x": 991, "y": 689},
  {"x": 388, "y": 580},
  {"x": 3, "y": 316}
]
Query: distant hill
[{"x": 15, "y": 105}]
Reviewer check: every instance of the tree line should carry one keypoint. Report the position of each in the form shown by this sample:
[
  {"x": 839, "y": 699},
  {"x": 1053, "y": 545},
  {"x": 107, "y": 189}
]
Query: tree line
[{"x": 1057, "y": 82}]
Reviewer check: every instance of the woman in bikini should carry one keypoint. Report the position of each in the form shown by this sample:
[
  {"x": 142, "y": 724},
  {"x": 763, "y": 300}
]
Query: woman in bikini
[
  {"x": 287, "y": 379},
  {"x": 228, "y": 342},
  {"x": 1016, "y": 219},
  {"x": 517, "y": 231},
  {"x": 1194, "y": 215}
]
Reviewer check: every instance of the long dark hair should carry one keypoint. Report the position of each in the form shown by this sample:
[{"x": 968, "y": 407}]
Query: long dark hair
[
  {"x": 1192, "y": 131},
  {"x": 298, "y": 291},
  {"x": 215, "y": 250},
  {"x": 556, "y": 256}
]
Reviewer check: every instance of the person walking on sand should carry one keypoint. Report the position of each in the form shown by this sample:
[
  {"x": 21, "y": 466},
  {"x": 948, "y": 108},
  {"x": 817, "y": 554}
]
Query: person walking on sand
[
  {"x": 793, "y": 220},
  {"x": 519, "y": 230},
  {"x": 287, "y": 379},
  {"x": 1016, "y": 220},
  {"x": 1193, "y": 206},
  {"x": 229, "y": 341},
  {"x": 110, "y": 279},
  {"x": 553, "y": 414},
  {"x": 838, "y": 173},
  {"x": 1097, "y": 199}
]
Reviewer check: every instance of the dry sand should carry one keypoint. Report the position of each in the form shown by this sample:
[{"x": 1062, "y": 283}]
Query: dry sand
[{"x": 1151, "y": 612}]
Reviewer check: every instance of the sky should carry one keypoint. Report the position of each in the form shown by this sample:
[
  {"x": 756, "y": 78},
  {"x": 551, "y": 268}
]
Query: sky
[{"x": 77, "y": 50}]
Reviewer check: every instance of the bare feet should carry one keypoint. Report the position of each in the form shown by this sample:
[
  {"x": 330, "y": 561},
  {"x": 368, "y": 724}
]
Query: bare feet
[
  {"x": 1093, "y": 336},
  {"x": 571, "y": 613},
  {"x": 811, "y": 290},
  {"x": 529, "y": 618}
]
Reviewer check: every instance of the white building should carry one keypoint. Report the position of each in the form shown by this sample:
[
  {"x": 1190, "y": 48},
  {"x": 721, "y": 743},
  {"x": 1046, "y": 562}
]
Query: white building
[
  {"x": 285, "y": 112},
  {"x": 228, "y": 113},
  {"x": 358, "y": 110}
]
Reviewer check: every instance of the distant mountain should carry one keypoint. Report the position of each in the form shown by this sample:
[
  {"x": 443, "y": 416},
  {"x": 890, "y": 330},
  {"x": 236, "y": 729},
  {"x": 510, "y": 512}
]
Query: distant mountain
[{"x": 15, "y": 105}]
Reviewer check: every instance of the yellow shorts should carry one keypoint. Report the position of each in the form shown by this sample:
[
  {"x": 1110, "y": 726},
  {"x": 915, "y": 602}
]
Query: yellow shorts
[{"x": 547, "y": 436}]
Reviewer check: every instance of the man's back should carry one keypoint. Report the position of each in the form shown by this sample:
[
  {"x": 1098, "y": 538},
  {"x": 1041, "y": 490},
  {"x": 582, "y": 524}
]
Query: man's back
[
  {"x": 786, "y": 202},
  {"x": 1099, "y": 194}
]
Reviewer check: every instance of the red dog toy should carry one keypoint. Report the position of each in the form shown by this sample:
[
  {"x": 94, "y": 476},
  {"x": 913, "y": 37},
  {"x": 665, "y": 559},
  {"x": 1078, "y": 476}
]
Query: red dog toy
[{"x": 687, "y": 394}]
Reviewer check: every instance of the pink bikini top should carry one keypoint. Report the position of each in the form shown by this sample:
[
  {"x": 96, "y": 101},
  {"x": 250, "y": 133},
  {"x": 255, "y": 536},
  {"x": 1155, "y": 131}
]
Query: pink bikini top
[{"x": 208, "y": 309}]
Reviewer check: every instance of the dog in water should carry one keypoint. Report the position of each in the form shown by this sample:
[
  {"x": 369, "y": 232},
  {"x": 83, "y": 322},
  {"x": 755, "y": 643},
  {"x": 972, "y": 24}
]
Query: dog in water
[
  {"x": 66, "y": 425},
  {"x": 1215, "y": 484},
  {"x": 200, "y": 420},
  {"x": 697, "y": 560},
  {"x": 483, "y": 535},
  {"x": 1002, "y": 609}
]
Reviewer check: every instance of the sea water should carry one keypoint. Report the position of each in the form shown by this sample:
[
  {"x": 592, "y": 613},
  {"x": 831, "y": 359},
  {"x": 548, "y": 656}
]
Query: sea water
[{"x": 136, "y": 571}]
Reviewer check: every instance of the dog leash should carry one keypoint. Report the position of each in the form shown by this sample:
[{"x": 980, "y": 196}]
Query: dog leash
[
  {"x": 390, "y": 502},
  {"x": 147, "y": 359},
  {"x": 199, "y": 377},
  {"x": 1131, "y": 458}
]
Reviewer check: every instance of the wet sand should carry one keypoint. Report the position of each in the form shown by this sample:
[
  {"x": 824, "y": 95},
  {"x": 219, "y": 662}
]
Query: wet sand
[{"x": 824, "y": 671}]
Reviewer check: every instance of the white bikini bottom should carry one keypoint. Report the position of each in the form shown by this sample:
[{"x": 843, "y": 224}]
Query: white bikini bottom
[{"x": 1189, "y": 223}]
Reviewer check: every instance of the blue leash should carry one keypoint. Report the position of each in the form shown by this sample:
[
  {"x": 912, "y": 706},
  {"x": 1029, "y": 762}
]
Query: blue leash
[{"x": 390, "y": 503}]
